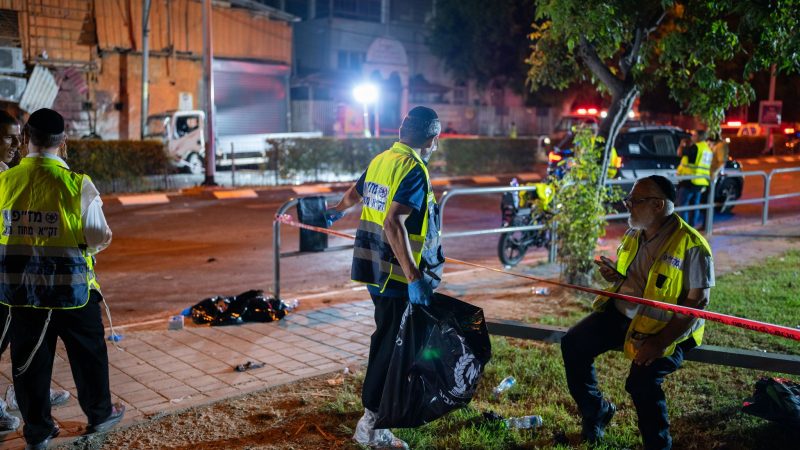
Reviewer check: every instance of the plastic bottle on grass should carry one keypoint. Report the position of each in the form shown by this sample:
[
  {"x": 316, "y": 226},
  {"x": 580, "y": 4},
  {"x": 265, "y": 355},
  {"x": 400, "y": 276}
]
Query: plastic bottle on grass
[
  {"x": 525, "y": 422},
  {"x": 506, "y": 384}
]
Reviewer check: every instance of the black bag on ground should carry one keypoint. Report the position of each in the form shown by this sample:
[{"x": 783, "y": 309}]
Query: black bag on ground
[
  {"x": 438, "y": 359},
  {"x": 311, "y": 211},
  {"x": 775, "y": 399},
  {"x": 250, "y": 306}
]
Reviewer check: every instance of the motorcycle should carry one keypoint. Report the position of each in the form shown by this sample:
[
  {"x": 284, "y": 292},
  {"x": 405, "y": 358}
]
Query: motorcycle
[{"x": 514, "y": 244}]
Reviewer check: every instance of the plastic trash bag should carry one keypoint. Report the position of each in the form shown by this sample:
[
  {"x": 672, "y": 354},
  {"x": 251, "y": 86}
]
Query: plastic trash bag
[
  {"x": 439, "y": 356},
  {"x": 775, "y": 399},
  {"x": 250, "y": 306}
]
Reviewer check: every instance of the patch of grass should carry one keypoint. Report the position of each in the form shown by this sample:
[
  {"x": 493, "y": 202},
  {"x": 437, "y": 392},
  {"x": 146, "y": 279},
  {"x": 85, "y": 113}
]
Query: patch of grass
[{"x": 704, "y": 399}]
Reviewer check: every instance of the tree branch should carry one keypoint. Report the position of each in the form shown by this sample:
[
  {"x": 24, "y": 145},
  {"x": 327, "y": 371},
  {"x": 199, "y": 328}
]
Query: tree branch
[
  {"x": 632, "y": 55},
  {"x": 598, "y": 67}
]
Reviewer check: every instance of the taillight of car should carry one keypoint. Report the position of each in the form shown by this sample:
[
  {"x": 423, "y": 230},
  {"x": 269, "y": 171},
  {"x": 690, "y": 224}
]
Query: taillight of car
[{"x": 554, "y": 157}]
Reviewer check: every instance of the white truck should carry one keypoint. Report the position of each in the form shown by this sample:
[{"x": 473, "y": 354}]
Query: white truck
[{"x": 184, "y": 134}]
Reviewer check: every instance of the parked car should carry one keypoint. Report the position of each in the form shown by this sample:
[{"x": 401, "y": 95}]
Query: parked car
[{"x": 653, "y": 150}]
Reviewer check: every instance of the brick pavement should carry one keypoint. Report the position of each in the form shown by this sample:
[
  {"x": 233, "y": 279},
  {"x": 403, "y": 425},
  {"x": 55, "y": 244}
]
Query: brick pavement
[{"x": 159, "y": 372}]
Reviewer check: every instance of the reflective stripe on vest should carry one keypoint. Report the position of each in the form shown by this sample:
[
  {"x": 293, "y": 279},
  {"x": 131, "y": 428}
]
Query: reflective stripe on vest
[
  {"x": 42, "y": 264},
  {"x": 664, "y": 284},
  {"x": 700, "y": 166},
  {"x": 374, "y": 261}
]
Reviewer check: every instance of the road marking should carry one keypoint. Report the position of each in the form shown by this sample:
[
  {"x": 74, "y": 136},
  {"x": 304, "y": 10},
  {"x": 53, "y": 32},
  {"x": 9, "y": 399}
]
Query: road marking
[
  {"x": 144, "y": 199},
  {"x": 304, "y": 190},
  {"x": 440, "y": 182},
  {"x": 260, "y": 206},
  {"x": 751, "y": 160},
  {"x": 771, "y": 160},
  {"x": 788, "y": 158},
  {"x": 238, "y": 193},
  {"x": 485, "y": 179},
  {"x": 529, "y": 177},
  {"x": 163, "y": 211}
]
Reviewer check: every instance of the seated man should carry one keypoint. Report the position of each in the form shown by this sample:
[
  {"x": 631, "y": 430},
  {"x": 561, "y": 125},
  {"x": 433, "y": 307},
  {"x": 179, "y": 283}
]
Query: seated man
[{"x": 660, "y": 258}]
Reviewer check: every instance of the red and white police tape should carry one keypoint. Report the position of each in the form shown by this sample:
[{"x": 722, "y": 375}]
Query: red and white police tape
[{"x": 762, "y": 327}]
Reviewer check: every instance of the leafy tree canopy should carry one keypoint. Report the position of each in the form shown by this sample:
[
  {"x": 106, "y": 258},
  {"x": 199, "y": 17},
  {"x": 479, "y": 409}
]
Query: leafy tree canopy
[
  {"x": 483, "y": 40},
  {"x": 625, "y": 46}
]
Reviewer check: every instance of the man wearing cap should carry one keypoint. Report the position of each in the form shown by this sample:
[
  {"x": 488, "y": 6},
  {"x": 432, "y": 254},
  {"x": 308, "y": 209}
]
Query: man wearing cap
[
  {"x": 53, "y": 224},
  {"x": 397, "y": 252},
  {"x": 660, "y": 258}
]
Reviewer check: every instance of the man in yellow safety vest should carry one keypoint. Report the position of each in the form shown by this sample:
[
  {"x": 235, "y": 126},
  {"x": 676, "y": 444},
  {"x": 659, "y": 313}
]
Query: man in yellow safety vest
[
  {"x": 397, "y": 251},
  {"x": 695, "y": 160},
  {"x": 660, "y": 258}
]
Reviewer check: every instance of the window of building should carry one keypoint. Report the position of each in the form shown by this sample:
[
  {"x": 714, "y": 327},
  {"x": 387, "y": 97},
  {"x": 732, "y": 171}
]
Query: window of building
[
  {"x": 460, "y": 96},
  {"x": 411, "y": 10},
  {"x": 347, "y": 60},
  {"x": 9, "y": 28},
  {"x": 367, "y": 10}
]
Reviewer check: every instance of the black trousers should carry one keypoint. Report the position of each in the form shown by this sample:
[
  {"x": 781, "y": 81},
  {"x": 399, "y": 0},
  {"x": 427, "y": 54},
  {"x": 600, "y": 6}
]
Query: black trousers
[
  {"x": 388, "y": 312},
  {"x": 82, "y": 332},
  {"x": 598, "y": 333}
]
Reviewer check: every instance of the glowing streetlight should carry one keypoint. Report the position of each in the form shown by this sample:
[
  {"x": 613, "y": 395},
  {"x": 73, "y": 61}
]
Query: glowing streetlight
[{"x": 367, "y": 94}]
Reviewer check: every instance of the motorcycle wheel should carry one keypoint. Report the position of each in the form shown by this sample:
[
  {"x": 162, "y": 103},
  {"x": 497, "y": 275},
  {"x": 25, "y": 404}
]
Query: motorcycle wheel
[{"x": 509, "y": 249}]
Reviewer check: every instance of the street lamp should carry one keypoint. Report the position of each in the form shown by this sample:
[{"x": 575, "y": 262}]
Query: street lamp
[{"x": 366, "y": 94}]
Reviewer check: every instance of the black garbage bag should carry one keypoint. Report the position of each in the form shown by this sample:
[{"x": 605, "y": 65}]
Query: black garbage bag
[
  {"x": 775, "y": 399},
  {"x": 439, "y": 356},
  {"x": 250, "y": 306}
]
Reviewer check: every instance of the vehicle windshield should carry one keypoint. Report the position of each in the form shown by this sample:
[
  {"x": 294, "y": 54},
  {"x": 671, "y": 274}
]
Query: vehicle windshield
[
  {"x": 566, "y": 123},
  {"x": 157, "y": 126}
]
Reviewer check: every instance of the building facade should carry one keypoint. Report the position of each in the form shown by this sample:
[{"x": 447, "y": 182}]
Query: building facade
[
  {"x": 341, "y": 43},
  {"x": 93, "y": 50}
]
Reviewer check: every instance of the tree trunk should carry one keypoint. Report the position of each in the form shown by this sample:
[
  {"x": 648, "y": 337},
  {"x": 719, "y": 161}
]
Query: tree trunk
[{"x": 610, "y": 126}]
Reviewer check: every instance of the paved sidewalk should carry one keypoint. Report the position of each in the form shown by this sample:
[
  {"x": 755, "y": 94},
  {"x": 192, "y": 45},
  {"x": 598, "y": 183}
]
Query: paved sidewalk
[{"x": 163, "y": 371}]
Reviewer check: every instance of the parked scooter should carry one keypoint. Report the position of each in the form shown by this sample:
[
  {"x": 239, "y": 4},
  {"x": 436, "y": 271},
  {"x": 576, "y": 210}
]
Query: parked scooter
[{"x": 514, "y": 244}]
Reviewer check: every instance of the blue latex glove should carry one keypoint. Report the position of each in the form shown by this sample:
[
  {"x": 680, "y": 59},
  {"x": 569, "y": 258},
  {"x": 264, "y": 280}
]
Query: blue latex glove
[
  {"x": 420, "y": 292},
  {"x": 332, "y": 215}
]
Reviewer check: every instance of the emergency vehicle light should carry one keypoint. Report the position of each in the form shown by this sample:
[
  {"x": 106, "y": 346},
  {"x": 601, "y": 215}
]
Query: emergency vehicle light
[
  {"x": 734, "y": 123},
  {"x": 788, "y": 131},
  {"x": 554, "y": 157}
]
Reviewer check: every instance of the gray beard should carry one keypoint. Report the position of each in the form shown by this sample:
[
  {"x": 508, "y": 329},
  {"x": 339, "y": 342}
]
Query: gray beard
[{"x": 635, "y": 225}]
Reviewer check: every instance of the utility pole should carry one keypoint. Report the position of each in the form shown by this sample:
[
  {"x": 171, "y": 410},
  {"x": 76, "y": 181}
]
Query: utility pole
[
  {"x": 145, "y": 67},
  {"x": 772, "y": 75},
  {"x": 208, "y": 79}
]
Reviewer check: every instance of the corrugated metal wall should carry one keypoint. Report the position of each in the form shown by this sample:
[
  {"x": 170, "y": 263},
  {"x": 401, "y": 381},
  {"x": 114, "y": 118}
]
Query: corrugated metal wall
[
  {"x": 178, "y": 23},
  {"x": 52, "y": 28}
]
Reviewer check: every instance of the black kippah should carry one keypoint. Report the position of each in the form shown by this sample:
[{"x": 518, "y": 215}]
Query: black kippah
[
  {"x": 47, "y": 121},
  {"x": 666, "y": 186},
  {"x": 422, "y": 121}
]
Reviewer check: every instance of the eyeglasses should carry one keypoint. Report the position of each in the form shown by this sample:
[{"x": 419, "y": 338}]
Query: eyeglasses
[{"x": 630, "y": 202}]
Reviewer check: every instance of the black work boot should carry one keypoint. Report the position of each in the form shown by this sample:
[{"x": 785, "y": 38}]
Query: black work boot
[{"x": 593, "y": 430}]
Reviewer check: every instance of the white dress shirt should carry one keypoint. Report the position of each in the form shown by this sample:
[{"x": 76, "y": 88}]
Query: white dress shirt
[{"x": 95, "y": 228}]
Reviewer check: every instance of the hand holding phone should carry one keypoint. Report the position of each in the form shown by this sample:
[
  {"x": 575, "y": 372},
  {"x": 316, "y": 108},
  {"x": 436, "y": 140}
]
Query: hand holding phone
[{"x": 608, "y": 269}]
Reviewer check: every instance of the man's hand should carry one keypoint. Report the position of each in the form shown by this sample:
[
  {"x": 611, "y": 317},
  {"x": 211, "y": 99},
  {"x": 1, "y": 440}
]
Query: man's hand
[
  {"x": 420, "y": 292},
  {"x": 332, "y": 215},
  {"x": 650, "y": 350},
  {"x": 608, "y": 273}
]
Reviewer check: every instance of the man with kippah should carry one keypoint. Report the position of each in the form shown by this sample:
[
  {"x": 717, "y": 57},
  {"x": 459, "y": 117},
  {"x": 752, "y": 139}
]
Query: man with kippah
[
  {"x": 660, "y": 258},
  {"x": 53, "y": 224},
  {"x": 397, "y": 252}
]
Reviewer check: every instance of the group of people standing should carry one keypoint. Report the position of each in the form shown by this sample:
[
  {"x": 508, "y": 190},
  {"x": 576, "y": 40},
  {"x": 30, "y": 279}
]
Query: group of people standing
[
  {"x": 53, "y": 225},
  {"x": 398, "y": 255}
]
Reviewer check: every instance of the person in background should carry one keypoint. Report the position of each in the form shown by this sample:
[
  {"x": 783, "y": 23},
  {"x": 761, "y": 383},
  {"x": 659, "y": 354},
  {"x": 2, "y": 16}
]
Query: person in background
[
  {"x": 53, "y": 219},
  {"x": 695, "y": 160},
  {"x": 397, "y": 251}
]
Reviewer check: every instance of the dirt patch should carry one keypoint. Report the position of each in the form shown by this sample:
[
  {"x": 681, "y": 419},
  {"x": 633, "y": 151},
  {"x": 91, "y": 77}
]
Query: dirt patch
[{"x": 285, "y": 417}]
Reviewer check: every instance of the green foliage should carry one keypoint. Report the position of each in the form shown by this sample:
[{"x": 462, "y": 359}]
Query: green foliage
[
  {"x": 350, "y": 157},
  {"x": 107, "y": 161},
  {"x": 482, "y": 43},
  {"x": 704, "y": 400},
  {"x": 581, "y": 207},
  {"x": 623, "y": 45}
]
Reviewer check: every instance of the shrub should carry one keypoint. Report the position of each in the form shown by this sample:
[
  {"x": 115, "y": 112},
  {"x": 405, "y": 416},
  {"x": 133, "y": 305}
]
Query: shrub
[{"x": 107, "y": 161}]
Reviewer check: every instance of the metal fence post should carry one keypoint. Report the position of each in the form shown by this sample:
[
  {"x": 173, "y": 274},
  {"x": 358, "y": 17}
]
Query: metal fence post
[
  {"x": 233, "y": 166},
  {"x": 710, "y": 207},
  {"x": 552, "y": 253},
  {"x": 765, "y": 210}
]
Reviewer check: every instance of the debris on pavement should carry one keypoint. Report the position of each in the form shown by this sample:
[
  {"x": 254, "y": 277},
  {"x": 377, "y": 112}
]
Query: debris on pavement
[
  {"x": 544, "y": 291},
  {"x": 175, "y": 323},
  {"x": 248, "y": 365},
  {"x": 249, "y": 306},
  {"x": 115, "y": 337}
]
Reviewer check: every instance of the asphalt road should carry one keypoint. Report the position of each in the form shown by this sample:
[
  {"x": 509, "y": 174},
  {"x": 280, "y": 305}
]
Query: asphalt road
[{"x": 166, "y": 257}]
